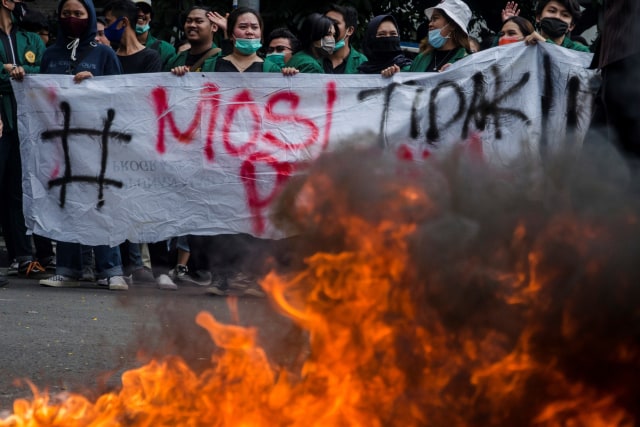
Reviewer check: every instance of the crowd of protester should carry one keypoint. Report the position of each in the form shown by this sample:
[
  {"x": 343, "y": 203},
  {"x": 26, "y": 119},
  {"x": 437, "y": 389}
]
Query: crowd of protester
[{"x": 119, "y": 40}]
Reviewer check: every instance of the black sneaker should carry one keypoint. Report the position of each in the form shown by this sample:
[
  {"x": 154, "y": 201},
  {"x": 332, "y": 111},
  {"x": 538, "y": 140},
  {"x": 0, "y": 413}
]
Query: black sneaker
[
  {"x": 239, "y": 285},
  {"x": 181, "y": 274},
  {"x": 199, "y": 278},
  {"x": 142, "y": 275},
  {"x": 219, "y": 286},
  {"x": 178, "y": 273}
]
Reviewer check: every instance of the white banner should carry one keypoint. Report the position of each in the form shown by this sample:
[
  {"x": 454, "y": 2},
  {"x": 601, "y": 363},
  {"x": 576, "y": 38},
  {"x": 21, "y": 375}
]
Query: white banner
[{"x": 146, "y": 157}]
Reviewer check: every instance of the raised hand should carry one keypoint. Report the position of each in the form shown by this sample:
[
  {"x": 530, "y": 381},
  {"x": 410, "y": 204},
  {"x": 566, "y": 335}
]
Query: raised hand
[
  {"x": 219, "y": 20},
  {"x": 510, "y": 9}
]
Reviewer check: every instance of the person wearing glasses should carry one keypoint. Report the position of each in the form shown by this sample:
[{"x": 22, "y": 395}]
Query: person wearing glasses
[{"x": 281, "y": 45}]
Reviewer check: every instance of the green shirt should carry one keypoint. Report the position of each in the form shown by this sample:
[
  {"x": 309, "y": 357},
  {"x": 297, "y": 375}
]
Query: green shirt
[
  {"x": 422, "y": 61},
  {"x": 570, "y": 44},
  {"x": 305, "y": 63},
  {"x": 353, "y": 61},
  {"x": 181, "y": 59},
  {"x": 165, "y": 49},
  {"x": 29, "y": 50}
]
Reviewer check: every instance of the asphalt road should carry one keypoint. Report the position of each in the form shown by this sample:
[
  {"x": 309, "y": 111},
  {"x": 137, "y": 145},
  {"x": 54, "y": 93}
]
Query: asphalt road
[{"x": 82, "y": 339}]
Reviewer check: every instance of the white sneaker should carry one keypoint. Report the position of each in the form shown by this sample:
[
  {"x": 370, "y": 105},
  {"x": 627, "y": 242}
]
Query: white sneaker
[
  {"x": 60, "y": 281},
  {"x": 13, "y": 268},
  {"x": 117, "y": 283},
  {"x": 165, "y": 283}
]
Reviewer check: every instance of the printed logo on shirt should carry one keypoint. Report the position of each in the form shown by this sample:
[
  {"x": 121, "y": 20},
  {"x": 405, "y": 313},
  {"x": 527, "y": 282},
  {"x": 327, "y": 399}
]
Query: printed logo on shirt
[
  {"x": 87, "y": 66},
  {"x": 30, "y": 57}
]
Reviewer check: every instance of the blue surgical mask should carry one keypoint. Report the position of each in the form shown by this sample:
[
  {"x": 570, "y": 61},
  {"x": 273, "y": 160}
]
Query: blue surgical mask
[
  {"x": 141, "y": 29},
  {"x": 339, "y": 44},
  {"x": 248, "y": 46},
  {"x": 436, "y": 39},
  {"x": 114, "y": 35},
  {"x": 276, "y": 58}
]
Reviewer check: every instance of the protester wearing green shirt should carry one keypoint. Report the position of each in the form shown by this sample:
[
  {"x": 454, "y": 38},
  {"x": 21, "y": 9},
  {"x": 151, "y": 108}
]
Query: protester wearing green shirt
[
  {"x": 21, "y": 53},
  {"x": 145, "y": 14},
  {"x": 199, "y": 30},
  {"x": 317, "y": 38},
  {"x": 556, "y": 19},
  {"x": 28, "y": 49},
  {"x": 448, "y": 39},
  {"x": 344, "y": 59}
]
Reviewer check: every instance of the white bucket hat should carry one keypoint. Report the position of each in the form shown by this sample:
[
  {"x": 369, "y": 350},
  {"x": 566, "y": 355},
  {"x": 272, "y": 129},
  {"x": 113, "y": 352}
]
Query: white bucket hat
[{"x": 457, "y": 10}]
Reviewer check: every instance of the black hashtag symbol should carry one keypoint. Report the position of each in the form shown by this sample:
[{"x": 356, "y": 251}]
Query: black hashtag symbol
[{"x": 105, "y": 135}]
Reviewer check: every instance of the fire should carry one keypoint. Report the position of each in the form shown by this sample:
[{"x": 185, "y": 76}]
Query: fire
[{"x": 426, "y": 303}]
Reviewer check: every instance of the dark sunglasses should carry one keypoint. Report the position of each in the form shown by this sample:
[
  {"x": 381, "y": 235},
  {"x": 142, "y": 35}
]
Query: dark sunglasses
[{"x": 278, "y": 49}]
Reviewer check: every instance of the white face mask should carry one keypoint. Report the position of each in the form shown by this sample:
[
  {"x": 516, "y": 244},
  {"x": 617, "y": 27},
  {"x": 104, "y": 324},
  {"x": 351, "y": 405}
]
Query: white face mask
[{"x": 328, "y": 44}]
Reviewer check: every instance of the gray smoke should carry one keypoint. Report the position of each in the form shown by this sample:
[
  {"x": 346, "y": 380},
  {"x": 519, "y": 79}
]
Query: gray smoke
[{"x": 538, "y": 254}]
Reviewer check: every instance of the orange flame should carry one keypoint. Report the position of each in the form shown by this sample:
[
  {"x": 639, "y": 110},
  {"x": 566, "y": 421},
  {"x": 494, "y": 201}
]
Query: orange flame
[{"x": 393, "y": 340}]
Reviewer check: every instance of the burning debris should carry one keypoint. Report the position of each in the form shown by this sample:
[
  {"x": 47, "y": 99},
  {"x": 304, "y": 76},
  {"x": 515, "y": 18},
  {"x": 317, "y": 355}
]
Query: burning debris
[{"x": 447, "y": 293}]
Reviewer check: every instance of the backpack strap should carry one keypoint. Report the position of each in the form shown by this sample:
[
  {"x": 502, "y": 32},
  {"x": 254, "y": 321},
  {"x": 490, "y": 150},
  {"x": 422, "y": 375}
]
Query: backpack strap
[{"x": 204, "y": 57}]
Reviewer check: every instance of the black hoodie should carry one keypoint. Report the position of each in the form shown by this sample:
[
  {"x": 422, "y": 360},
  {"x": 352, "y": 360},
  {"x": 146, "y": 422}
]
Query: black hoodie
[{"x": 90, "y": 56}]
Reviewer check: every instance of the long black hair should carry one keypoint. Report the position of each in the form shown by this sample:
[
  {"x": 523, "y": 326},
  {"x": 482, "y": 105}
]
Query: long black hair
[{"x": 314, "y": 28}]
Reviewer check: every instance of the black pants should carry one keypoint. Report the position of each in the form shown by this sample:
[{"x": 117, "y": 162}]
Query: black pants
[
  {"x": 227, "y": 254},
  {"x": 12, "y": 216}
]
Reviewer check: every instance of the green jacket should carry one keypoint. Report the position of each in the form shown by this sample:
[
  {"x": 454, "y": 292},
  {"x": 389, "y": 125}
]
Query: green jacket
[
  {"x": 354, "y": 60},
  {"x": 210, "y": 65},
  {"x": 305, "y": 63},
  {"x": 165, "y": 49},
  {"x": 29, "y": 48},
  {"x": 422, "y": 61},
  {"x": 570, "y": 44},
  {"x": 181, "y": 59}
]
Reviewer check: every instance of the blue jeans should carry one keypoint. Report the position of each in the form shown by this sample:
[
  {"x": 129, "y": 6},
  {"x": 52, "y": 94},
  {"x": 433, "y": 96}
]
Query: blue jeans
[
  {"x": 182, "y": 243},
  {"x": 135, "y": 255},
  {"x": 69, "y": 260}
]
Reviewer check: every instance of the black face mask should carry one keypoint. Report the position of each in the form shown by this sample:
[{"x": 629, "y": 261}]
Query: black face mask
[
  {"x": 19, "y": 11},
  {"x": 554, "y": 27},
  {"x": 386, "y": 46}
]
